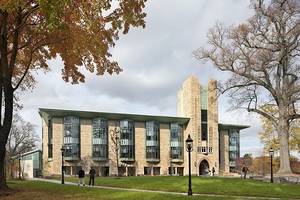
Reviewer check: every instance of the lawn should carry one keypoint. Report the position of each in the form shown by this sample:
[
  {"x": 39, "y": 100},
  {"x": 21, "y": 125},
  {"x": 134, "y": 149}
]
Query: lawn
[
  {"x": 204, "y": 185},
  {"x": 36, "y": 190}
]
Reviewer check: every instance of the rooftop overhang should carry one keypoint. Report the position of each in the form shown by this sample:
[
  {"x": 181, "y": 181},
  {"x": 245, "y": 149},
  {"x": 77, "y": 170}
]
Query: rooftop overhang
[
  {"x": 47, "y": 113},
  {"x": 232, "y": 126},
  {"x": 26, "y": 153}
]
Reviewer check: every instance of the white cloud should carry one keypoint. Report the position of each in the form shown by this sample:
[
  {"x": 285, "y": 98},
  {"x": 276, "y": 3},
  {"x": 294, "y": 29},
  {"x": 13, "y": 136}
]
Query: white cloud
[{"x": 156, "y": 60}]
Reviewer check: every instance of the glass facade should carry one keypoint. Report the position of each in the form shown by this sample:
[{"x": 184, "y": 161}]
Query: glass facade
[
  {"x": 99, "y": 139},
  {"x": 152, "y": 141},
  {"x": 72, "y": 138},
  {"x": 204, "y": 97},
  {"x": 176, "y": 142},
  {"x": 127, "y": 140},
  {"x": 234, "y": 147}
]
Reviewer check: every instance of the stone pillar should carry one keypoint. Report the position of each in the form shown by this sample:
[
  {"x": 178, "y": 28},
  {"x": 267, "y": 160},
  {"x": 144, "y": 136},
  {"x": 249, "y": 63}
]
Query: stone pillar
[
  {"x": 189, "y": 106},
  {"x": 46, "y": 163},
  {"x": 224, "y": 152},
  {"x": 58, "y": 130},
  {"x": 140, "y": 147},
  {"x": 85, "y": 138},
  {"x": 112, "y": 147},
  {"x": 213, "y": 132},
  {"x": 164, "y": 148}
]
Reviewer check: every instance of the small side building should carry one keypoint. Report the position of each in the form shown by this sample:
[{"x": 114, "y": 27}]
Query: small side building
[{"x": 30, "y": 164}]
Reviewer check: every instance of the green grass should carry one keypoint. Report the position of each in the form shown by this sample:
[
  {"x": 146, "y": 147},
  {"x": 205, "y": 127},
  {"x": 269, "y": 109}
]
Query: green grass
[
  {"x": 204, "y": 185},
  {"x": 36, "y": 190}
]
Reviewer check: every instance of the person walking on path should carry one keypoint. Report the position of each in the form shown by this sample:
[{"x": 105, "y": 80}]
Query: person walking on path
[
  {"x": 245, "y": 170},
  {"x": 213, "y": 171},
  {"x": 81, "y": 177},
  {"x": 92, "y": 176}
]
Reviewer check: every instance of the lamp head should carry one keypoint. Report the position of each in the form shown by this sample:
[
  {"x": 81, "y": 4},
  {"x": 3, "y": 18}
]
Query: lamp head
[
  {"x": 271, "y": 152},
  {"x": 189, "y": 143}
]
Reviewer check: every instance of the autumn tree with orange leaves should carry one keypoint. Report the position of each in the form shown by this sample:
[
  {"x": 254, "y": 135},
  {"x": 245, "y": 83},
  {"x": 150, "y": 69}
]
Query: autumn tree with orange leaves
[{"x": 81, "y": 32}]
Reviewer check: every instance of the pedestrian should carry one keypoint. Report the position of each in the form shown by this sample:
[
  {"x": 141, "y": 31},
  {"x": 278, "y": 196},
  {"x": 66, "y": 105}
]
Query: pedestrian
[
  {"x": 81, "y": 177},
  {"x": 213, "y": 171},
  {"x": 92, "y": 176},
  {"x": 245, "y": 170}
]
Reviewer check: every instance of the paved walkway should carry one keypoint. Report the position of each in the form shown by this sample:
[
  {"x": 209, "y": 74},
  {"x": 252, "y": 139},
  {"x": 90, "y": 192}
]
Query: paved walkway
[{"x": 161, "y": 192}]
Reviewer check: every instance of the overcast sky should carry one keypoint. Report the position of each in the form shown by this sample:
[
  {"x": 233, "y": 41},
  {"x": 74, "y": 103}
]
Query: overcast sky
[{"x": 156, "y": 60}]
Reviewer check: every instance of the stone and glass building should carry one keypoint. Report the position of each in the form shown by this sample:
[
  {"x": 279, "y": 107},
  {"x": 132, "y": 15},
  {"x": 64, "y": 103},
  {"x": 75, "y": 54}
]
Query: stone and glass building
[{"x": 133, "y": 145}]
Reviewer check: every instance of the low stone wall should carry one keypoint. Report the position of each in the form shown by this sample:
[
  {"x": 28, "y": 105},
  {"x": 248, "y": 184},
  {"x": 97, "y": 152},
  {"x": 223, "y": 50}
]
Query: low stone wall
[{"x": 292, "y": 179}]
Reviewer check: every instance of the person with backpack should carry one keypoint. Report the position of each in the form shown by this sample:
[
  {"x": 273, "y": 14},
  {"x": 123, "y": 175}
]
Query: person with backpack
[
  {"x": 92, "y": 176},
  {"x": 81, "y": 177}
]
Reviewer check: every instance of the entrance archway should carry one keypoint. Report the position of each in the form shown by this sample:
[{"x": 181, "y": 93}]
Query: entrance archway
[{"x": 204, "y": 168}]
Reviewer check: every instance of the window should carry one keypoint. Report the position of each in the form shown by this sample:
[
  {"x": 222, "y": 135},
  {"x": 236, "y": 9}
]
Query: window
[
  {"x": 147, "y": 170},
  {"x": 127, "y": 140},
  {"x": 152, "y": 152},
  {"x": 72, "y": 137},
  {"x": 176, "y": 141},
  {"x": 50, "y": 138},
  {"x": 234, "y": 147},
  {"x": 99, "y": 139},
  {"x": 180, "y": 171},
  {"x": 156, "y": 171},
  {"x": 204, "y": 97},
  {"x": 204, "y": 125},
  {"x": 172, "y": 170},
  {"x": 152, "y": 141}
]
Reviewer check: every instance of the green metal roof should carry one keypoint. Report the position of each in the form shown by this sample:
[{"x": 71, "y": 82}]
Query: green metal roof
[
  {"x": 232, "y": 126},
  {"x": 46, "y": 113}
]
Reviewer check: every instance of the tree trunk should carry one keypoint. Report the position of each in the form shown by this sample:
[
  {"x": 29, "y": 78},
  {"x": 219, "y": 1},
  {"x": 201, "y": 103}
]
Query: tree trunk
[
  {"x": 283, "y": 132},
  {"x": 4, "y": 132},
  {"x": 3, "y": 185}
]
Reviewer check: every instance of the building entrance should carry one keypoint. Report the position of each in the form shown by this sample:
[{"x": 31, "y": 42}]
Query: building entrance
[{"x": 204, "y": 168}]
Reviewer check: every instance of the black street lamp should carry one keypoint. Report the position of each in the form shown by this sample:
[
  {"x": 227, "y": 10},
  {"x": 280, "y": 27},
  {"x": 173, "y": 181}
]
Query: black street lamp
[
  {"x": 20, "y": 168},
  {"x": 62, "y": 165},
  {"x": 271, "y": 153},
  {"x": 189, "y": 148}
]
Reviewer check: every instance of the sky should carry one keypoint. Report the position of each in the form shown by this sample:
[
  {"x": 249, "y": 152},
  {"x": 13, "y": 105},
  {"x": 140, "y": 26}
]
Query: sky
[{"x": 155, "y": 61}]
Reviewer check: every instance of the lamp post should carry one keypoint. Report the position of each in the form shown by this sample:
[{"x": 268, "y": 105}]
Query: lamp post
[
  {"x": 189, "y": 148},
  {"x": 62, "y": 165},
  {"x": 20, "y": 167},
  {"x": 271, "y": 153}
]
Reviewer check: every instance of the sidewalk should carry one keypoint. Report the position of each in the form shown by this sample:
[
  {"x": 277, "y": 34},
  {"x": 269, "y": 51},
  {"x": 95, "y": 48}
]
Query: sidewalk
[{"x": 152, "y": 191}]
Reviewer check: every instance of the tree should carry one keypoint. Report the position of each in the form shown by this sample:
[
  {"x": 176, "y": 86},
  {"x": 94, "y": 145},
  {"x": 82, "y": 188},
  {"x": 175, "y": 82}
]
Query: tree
[
  {"x": 262, "y": 56},
  {"x": 270, "y": 137},
  {"x": 115, "y": 139},
  {"x": 80, "y": 32},
  {"x": 22, "y": 138},
  {"x": 261, "y": 165},
  {"x": 86, "y": 163}
]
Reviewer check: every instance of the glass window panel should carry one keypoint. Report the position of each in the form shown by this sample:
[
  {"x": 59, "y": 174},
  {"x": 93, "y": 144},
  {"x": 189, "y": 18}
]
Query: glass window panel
[
  {"x": 152, "y": 140},
  {"x": 72, "y": 137},
  {"x": 127, "y": 139},
  {"x": 176, "y": 141}
]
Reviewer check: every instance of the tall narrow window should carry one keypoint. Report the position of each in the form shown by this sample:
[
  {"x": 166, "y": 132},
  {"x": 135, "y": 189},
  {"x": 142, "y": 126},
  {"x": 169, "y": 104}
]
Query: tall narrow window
[
  {"x": 152, "y": 141},
  {"x": 127, "y": 140},
  {"x": 50, "y": 138},
  {"x": 204, "y": 106},
  {"x": 204, "y": 125},
  {"x": 176, "y": 142},
  {"x": 99, "y": 139},
  {"x": 234, "y": 148},
  {"x": 72, "y": 138}
]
